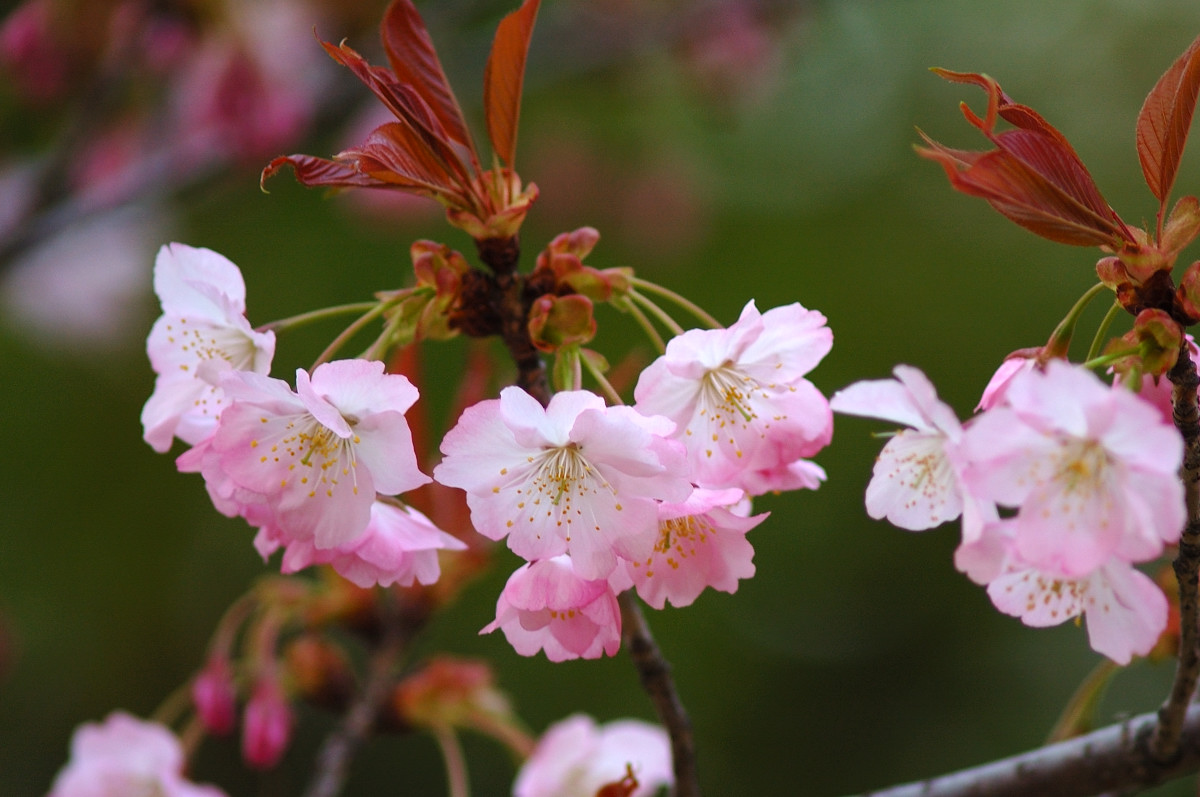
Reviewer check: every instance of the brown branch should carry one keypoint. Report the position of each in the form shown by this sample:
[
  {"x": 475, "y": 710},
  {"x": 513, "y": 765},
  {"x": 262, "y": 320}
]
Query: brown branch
[
  {"x": 1112, "y": 759},
  {"x": 400, "y": 623},
  {"x": 655, "y": 674},
  {"x": 1164, "y": 743}
]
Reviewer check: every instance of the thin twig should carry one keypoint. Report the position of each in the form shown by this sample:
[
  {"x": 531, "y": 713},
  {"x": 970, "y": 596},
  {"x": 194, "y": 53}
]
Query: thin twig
[
  {"x": 333, "y": 759},
  {"x": 655, "y": 673},
  {"x": 1164, "y": 744},
  {"x": 1112, "y": 759}
]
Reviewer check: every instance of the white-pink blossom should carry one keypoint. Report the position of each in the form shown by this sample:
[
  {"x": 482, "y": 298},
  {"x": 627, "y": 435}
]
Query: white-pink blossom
[
  {"x": 739, "y": 397},
  {"x": 547, "y": 605},
  {"x": 915, "y": 484},
  {"x": 575, "y": 478},
  {"x": 701, "y": 543},
  {"x": 1091, "y": 471},
  {"x": 399, "y": 546},
  {"x": 575, "y": 757},
  {"x": 202, "y": 333},
  {"x": 126, "y": 756},
  {"x": 1125, "y": 610},
  {"x": 310, "y": 462}
]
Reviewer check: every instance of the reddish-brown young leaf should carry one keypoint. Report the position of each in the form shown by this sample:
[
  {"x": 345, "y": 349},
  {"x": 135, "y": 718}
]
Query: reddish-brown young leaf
[
  {"x": 1164, "y": 121},
  {"x": 392, "y": 153},
  {"x": 504, "y": 77},
  {"x": 1039, "y": 189},
  {"x": 414, "y": 61},
  {"x": 407, "y": 104},
  {"x": 314, "y": 172}
]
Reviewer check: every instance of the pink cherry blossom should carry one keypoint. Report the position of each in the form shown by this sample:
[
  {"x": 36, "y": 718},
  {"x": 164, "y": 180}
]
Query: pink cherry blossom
[
  {"x": 399, "y": 546},
  {"x": 1090, "y": 470},
  {"x": 548, "y": 606},
  {"x": 126, "y": 756},
  {"x": 574, "y": 478},
  {"x": 738, "y": 396},
  {"x": 202, "y": 332},
  {"x": 993, "y": 393},
  {"x": 1125, "y": 610},
  {"x": 914, "y": 484},
  {"x": 575, "y": 757},
  {"x": 309, "y": 463},
  {"x": 701, "y": 543}
]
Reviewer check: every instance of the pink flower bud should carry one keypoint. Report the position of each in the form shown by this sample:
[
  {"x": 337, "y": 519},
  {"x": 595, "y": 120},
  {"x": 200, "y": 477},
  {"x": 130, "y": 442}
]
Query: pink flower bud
[
  {"x": 266, "y": 726},
  {"x": 215, "y": 697}
]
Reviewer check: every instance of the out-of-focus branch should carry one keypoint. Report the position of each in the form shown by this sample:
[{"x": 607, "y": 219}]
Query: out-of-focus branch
[
  {"x": 1113, "y": 759},
  {"x": 1164, "y": 743}
]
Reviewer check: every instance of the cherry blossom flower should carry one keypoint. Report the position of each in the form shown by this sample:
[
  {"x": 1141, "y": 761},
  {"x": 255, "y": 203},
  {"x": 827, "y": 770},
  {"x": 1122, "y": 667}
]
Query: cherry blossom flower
[
  {"x": 914, "y": 483},
  {"x": 547, "y": 605},
  {"x": 126, "y": 756},
  {"x": 1091, "y": 471},
  {"x": 574, "y": 478},
  {"x": 575, "y": 757},
  {"x": 202, "y": 332},
  {"x": 738, "y": 396},
  {"x": 701, "y": 543},
  {"x": 993, "y": 393},
  {"x": 1125, "y": 610},
  {"x": 310, "y": 462},
  {"x": 399, "y": 546}
]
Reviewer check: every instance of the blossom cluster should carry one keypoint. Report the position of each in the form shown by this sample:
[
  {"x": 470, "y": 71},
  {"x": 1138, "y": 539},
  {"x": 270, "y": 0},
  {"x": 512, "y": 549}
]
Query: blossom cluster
[
  {"x": 597, "y": 499},
  {"x": 1063, "y": 484},
  {"x": 313, "y": 468}
]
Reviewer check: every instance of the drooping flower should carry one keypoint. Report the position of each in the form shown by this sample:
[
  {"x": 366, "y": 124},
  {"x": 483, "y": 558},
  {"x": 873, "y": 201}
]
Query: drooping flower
[
  {"x": 914, "y": 483},
  {"x": 574, "y": 478},
  {"x": 310, "y": 462},
  {"x": 701, "y": 543},
  {"x": 202, "y": 333},
  {"x": 1124, "y": 609},
  {"x": 575, "y": 757},
  {"x": 547, "y": 605},
  {"x": 399, "y": 546},
  {"x": 1090, "y": 470},
  {"x": 738, "y": 396},
  {"x": 126, "y": 756}
]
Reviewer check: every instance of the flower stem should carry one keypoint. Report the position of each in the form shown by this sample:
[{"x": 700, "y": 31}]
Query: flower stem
[
  {"x": 659, "y": 313},
  {"x": 457, "y": 782},
  {"x": 647, "y": 326},
  {"x": 349, "y": 332},
  {"x": 655, "y": 673},
  {"x": 605, "y": 386},
  {"x": 1102, "y": 331},
  {"x": 683, "y": 302},
  {"x": 292, "y": 322}
]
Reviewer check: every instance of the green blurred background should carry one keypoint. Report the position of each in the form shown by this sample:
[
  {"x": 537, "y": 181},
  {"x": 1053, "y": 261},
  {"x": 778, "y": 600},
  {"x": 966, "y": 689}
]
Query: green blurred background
[{"x": 857, "y": 657}]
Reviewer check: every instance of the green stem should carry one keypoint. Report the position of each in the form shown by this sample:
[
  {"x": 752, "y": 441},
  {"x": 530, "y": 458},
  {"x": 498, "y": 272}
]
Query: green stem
[
  {"x": 605, "y": 386},
  {"x": 647, "y": 327},
  {"x": 1102, "y": 331},
  {"x": 1112, "y": 357},
  {"x": 657, "y": 312},
  {"x": 349, "y": 332},
  {"x": 285, "y": 324},
  {"x": 1060, "y": 340},
  {"x": 686, "y": 304}
]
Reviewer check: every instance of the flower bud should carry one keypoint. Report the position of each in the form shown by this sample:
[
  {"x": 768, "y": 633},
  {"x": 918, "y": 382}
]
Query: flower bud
[
  {"x": 1187, "y": 297},
  {"x": 215, "y": 697},
  {"x": 266, "y": 725},
  {"x": 557, "y": 321},
  {"x": 319, "y": 670}
]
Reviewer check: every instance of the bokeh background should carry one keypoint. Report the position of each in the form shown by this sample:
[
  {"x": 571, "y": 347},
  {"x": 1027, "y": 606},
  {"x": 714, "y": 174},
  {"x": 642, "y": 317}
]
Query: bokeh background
[{"x": 730, "y": 149}]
